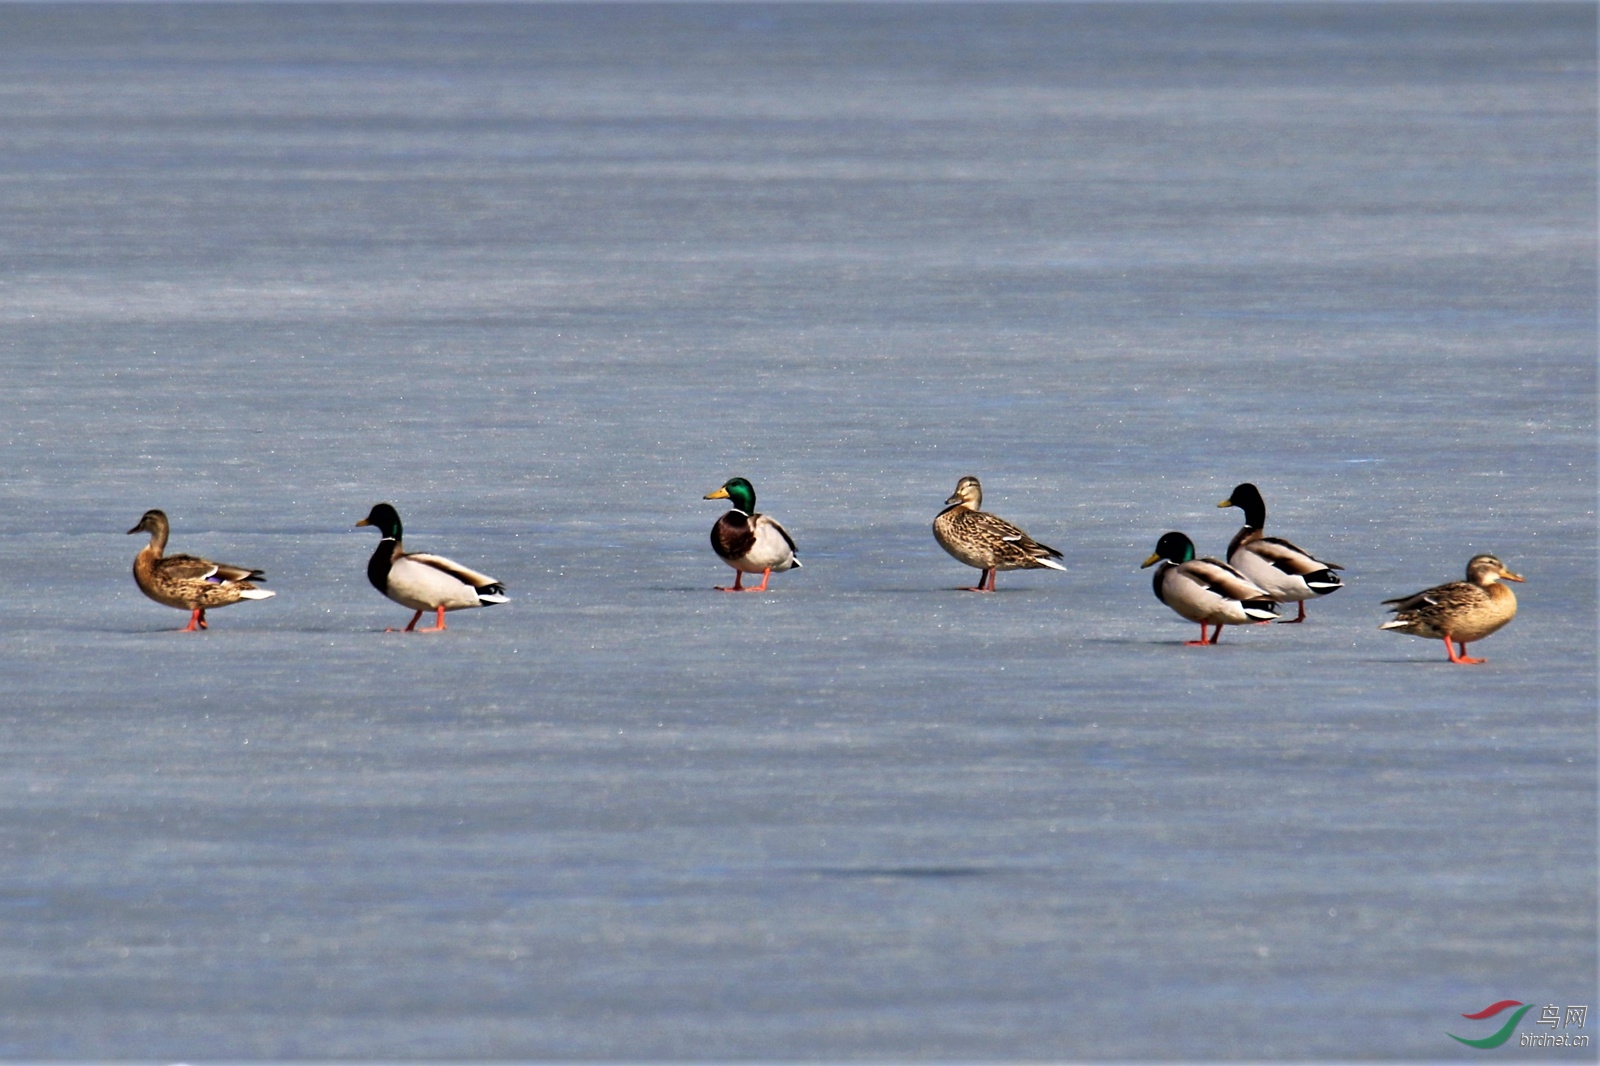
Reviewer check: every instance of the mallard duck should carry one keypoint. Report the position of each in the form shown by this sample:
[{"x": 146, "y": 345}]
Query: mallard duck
[
  {"x": 751, "y": 543},
  {"x": 187, "y": 582},
  {"x": 985, "y": 541},
  {"x": 1208, "y": 591},
  {"x": 1461, "y": 611},
  {"x": 1289, "y": 574},
  {"x": 423, "y": 582}
]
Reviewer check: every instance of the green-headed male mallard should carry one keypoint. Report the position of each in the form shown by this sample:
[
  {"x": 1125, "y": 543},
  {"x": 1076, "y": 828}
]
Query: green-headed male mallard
[
  {"x": 1290, "y": 574},
  {"x": 1461, "y": 611},
  {"x": 423, "y": 582},
  {"x": 1208, "y": 591},
  {"x": 749, "y": 542},
  {"x": 985, "y": 541},
  {"x": 187, "y": 582}
]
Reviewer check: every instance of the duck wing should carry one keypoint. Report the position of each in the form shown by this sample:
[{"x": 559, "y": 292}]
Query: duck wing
[
  {"x": 464, "y": 574},
  {"x": 1011, "y": 543},
  {"x": 768, "y": 522},
  {"x": 1218, "y": 577},
  {"x": 238, "y": 573},
  {"x": 1441, "y": 599},
  {"x": 194, "y": 568},
  {"x": 1290, "y": 558}
]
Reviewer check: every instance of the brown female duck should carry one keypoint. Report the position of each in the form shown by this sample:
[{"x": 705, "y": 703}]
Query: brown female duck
[
  {"x": 985, "y": 541},
  {"x": 188, "y": 582},
  {"x": 1461, "y": 611}
]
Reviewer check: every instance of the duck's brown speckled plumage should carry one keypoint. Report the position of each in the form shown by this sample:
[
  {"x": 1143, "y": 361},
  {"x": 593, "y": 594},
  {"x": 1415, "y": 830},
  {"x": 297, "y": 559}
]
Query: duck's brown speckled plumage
[
  {"x": 188, "y": 582},
  {"x": 985, "y": 541},
  {"x": 1462, "y": 611}
]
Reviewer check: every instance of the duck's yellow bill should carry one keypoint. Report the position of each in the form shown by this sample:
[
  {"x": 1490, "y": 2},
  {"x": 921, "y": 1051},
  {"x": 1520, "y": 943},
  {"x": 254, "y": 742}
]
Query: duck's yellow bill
[
  {"x": 1156, "y": 558},
  {"x": 720, "y": 494},
  {"x": 1226, "y": 503},
  {"x": 363, "y": 522}
]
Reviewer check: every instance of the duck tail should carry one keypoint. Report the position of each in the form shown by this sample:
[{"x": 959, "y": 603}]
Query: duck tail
[
  {"x": 256, "y": 594},
  {"x": 1323, "y": 582},
  {"x": 1260, "y": 610}
]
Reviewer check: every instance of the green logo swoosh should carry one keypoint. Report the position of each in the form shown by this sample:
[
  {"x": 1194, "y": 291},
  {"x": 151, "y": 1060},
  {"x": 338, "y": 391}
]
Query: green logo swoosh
[{"x": 1499, "y": 1038}]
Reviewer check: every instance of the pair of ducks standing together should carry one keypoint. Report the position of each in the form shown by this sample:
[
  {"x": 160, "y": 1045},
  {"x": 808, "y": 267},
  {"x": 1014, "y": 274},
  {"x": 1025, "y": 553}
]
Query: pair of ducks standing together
[
  {"x": 416, "y": 580},
  {"x": 754, "y": 543},
  {"x": 1261, "y": 571}
]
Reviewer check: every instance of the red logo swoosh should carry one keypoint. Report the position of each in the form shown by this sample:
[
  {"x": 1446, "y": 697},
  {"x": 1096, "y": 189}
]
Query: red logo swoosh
[{"x": 1491, "y": 1011}]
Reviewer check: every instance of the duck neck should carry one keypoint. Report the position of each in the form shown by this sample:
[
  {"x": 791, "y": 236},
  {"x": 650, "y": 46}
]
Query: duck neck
[
  {"x": 1243, "y": 537},
  {"x": 158, "y": 540},
  {"x": 144, "y": 563},
  {"x": 382, "y": 559}
]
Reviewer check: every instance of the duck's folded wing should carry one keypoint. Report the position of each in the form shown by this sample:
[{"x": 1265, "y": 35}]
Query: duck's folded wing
[
  {"x": 239, "y": 573},
  {"x": 995, "y": 526},
  {"x": 1289, "y": 558},
  {"x": 186, "y": 568},
  {"x": 1412, "y": 602},
  {"x": 772, "y": 523},
  {"x": 1224, "y": 580},
  {"x": 1455, "y": 594},
  {"x": 449, "y": 566}
]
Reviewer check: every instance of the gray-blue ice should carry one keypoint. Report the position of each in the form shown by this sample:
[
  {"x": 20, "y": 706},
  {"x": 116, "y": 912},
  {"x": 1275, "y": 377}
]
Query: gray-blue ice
[{"x": 543, "y": 276}]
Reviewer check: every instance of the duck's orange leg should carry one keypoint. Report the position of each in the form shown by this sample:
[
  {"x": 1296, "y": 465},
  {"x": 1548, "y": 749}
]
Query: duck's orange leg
[
  {"x": 1202, "y": 642},
  {"x": 738, "y": 585},
  {"x": 414, "y": 619},
  {"x": 1463, "y": 658},
  {"x": 1301, "y": 617},
  {"x": 438, "y": 627},
  {"x": 197, "y": 620}
]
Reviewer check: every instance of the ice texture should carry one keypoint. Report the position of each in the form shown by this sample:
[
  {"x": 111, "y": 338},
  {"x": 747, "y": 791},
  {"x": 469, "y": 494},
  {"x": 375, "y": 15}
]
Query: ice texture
[{"x": 544, "y": 275}]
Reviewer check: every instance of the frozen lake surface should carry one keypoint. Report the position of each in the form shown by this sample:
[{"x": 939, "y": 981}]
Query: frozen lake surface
[{"x": 543, "y": 276}]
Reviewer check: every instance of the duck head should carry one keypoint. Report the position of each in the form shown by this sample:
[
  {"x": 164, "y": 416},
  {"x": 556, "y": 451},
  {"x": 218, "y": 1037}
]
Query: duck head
[
  {"x": 739, "y": 491},
  {"x": 968, "y": 494},
  {"x": 154, "y": 523},
  {"x": 1173, "y": 547},
  {"x": 385, "y": 518},
  {"x": 1485, "y": 570},
  {"x": 1248, "y": 499}
]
